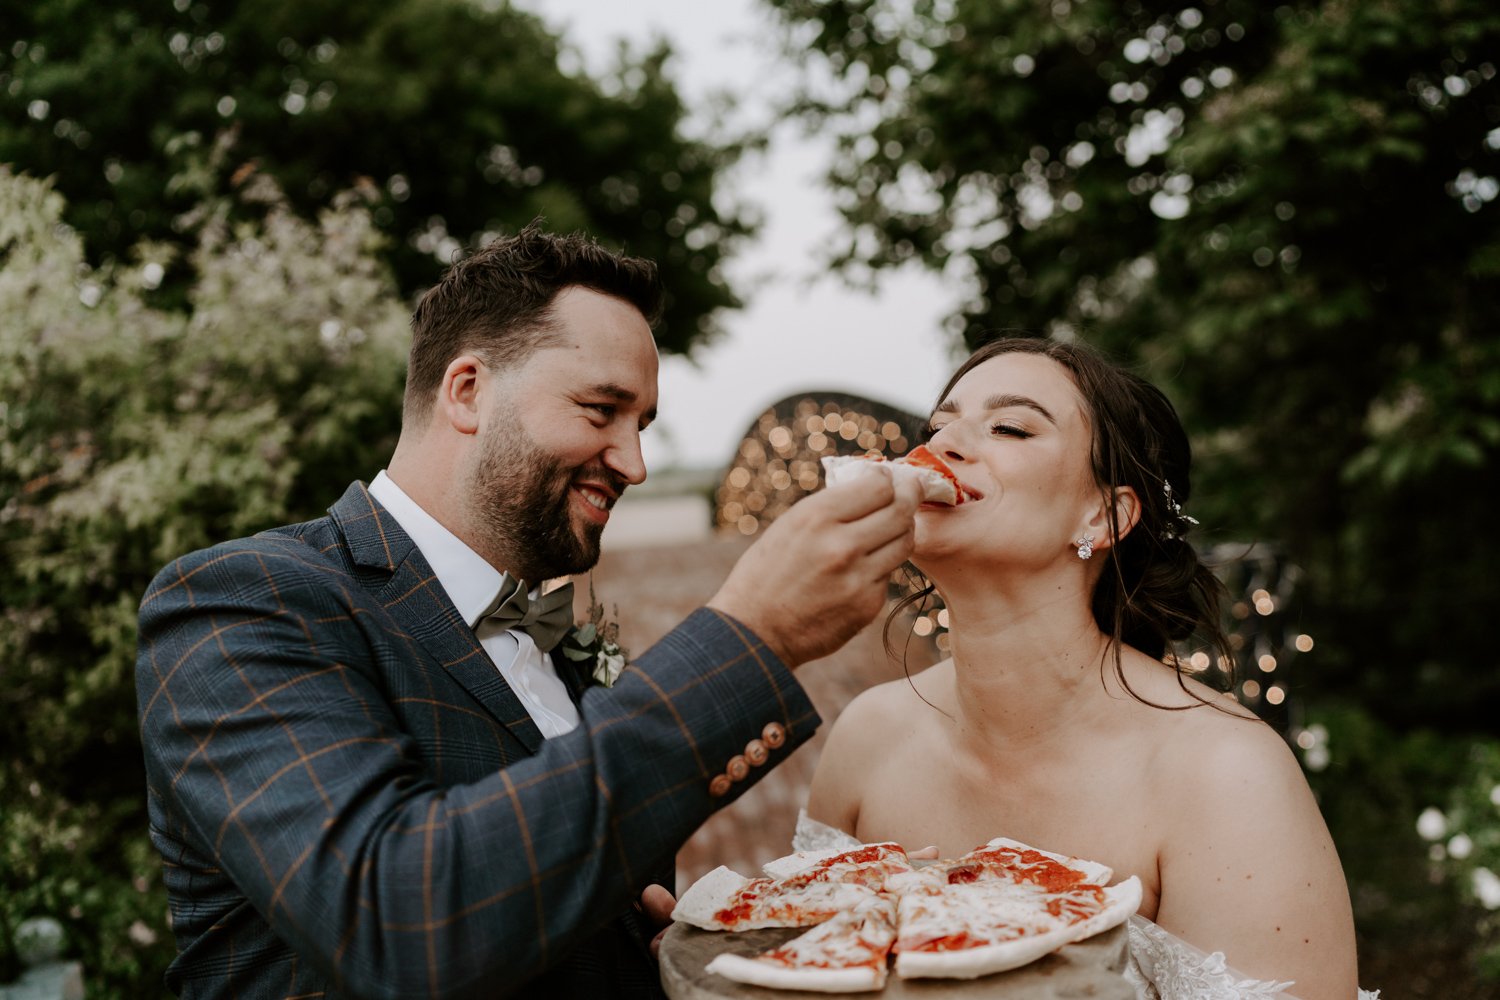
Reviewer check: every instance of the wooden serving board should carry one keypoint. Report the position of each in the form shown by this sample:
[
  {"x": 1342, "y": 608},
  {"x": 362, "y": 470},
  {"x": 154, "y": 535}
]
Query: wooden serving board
[{"x": 1091, "y": 968}]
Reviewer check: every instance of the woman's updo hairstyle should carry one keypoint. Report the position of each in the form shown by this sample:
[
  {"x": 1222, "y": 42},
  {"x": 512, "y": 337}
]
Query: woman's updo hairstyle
[{"x": 1154, "y": 590}]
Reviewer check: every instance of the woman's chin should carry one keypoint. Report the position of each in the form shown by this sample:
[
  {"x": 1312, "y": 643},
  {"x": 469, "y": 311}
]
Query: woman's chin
[{"x": 932, "y": 549}]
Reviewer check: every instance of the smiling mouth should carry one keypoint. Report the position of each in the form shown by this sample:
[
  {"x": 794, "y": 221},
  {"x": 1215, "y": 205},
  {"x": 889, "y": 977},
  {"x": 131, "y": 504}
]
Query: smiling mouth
[{"x": 594, "y": 496}]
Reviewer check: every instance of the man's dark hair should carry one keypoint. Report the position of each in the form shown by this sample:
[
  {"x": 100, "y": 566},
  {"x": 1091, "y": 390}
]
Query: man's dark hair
[{"x": 496, "y": 303}]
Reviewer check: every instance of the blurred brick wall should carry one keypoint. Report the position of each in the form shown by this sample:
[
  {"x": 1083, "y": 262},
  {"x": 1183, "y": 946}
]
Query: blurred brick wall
[{"x": 654, "y": 589}]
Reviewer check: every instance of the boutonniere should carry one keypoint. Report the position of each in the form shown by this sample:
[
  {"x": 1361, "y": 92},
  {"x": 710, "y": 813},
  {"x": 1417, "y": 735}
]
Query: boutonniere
[{"x": 597, "y": 644}]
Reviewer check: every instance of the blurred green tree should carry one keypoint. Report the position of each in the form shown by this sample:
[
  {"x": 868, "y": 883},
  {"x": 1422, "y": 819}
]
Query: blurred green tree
[
  {"x": 457, "y": 111},
  {"x": 129, "y": 435},
  {"x": 1286, "y": 213}
]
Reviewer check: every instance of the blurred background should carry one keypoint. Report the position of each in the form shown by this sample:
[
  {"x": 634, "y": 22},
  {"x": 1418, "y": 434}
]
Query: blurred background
[{"x": 214, "y": 220}]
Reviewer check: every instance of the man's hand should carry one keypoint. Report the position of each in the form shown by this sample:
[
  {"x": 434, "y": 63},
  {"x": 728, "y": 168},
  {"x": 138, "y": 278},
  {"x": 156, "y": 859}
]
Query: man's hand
[
  {"x": 819, "y": 574},
  {"x": 656, "y": 905}
]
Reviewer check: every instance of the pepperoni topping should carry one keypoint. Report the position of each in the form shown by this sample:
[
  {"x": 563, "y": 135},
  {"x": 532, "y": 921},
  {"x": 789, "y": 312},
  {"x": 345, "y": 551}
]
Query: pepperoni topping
[{"x": 923, "y": 458}]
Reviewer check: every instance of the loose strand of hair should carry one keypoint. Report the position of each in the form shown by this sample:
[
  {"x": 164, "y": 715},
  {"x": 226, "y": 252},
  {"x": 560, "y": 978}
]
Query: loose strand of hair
[{"x": 921, "y": 597}]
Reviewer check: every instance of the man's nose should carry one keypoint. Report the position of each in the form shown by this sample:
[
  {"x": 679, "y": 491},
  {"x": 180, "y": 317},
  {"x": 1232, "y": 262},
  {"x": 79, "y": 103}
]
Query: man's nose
[{"x": 625, "y": 459}]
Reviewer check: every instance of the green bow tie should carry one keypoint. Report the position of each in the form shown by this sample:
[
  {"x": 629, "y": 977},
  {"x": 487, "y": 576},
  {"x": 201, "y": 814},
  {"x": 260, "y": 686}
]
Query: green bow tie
[{"x": 546, "y": 619}]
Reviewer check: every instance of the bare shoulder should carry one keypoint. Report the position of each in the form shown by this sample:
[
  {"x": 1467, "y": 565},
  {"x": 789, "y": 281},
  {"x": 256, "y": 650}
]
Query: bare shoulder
[
  {"x": 879, "y": 725},
  {"x": 1235, "y": 754},
  {"x": 884, "y": 716},
  {"x": 1247, "y": 864}
]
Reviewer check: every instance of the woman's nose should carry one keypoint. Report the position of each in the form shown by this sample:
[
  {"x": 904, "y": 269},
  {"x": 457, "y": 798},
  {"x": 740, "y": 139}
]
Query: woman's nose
[{"x": 948, "y": 442}]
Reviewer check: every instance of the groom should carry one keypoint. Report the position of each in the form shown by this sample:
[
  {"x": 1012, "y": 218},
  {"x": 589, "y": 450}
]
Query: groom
[{"x": 368, "y": 777}]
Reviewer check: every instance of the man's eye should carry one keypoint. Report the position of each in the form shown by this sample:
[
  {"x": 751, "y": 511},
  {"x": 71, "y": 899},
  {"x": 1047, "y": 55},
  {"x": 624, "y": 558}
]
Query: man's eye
[{"x": 603, "y": 409}]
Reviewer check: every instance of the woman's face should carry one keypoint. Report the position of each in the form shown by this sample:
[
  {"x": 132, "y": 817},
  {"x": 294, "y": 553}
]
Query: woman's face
[{"x": 1015, "y": 429}]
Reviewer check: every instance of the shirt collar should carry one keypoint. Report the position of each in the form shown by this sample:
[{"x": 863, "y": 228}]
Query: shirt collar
[{"x": 470, "y": 582}]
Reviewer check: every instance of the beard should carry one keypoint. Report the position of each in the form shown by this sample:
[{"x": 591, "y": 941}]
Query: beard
[{"x": 518, "y": 499}]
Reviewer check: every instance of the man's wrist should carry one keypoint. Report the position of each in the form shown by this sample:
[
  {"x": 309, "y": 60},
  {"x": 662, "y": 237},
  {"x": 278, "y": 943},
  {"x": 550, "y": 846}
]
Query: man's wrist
[{"x": 759, "y": 629}]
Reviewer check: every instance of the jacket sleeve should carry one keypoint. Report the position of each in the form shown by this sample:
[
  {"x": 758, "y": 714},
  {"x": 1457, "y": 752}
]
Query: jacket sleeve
[{"x": 272, "y": 739}]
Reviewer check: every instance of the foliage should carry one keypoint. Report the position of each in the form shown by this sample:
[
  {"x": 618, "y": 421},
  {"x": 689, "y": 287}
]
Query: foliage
[
  {"x": 458, "y": 112},
  {"x": 1465, "y": 838},
  {"x": 1372, "y": 785},
  {"x": 128, "y": 436},
  {"x": 1285, "y": 213}
]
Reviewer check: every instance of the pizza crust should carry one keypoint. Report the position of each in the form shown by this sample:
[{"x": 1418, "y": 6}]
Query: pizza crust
[
  {"x": 708, "y": 896},
  {"x": 840, "y": 469},
  {"x": 791, "y": 864},
  {"x": 971, "y": 963},
  {"x": 1120, "y": 901},
  {"x": 777, "y": 977}
]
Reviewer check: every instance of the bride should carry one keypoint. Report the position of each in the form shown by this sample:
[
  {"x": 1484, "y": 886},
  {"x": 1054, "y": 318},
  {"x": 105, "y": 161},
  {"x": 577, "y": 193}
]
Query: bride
[{"x": 1057, "y": 722}]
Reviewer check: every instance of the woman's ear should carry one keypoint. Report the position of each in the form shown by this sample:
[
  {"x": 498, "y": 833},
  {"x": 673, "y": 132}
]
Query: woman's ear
[
  {"x": 458, "y": 394},
  {"x": 1127, "y": 510}
]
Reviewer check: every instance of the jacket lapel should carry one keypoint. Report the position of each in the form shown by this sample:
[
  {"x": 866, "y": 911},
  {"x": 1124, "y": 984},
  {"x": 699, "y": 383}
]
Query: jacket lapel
[
  {"x": 574, "y": 675},
  {"x": 411, "y": 593}
]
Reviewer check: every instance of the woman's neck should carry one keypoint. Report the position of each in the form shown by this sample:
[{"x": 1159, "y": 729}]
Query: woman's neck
[{"x": 1026, "y": 662}]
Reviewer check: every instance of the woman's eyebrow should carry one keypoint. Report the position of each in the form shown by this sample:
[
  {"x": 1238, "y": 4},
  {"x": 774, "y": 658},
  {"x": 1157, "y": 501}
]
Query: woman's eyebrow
[{"x": 1002, "y": 402}]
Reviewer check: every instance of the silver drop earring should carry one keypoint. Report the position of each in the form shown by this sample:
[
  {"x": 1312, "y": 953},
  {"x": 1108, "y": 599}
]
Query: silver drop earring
[{"x": 1085, "y": 546}]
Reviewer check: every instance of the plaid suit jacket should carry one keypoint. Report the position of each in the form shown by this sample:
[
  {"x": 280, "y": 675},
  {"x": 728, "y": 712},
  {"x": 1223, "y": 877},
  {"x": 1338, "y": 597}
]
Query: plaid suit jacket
[{"x": 350, "y": 801}]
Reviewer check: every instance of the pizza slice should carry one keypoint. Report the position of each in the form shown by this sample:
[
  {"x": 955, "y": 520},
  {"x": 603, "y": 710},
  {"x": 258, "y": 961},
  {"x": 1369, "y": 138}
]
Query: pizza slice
[
  {"x": 724, "y": 900},
  {"x": 1017, "y": 862},
  {"x": 938, "y": 482},
  {"x": 1001, "y": 906},
  {"x": 846, "y": 954},
  {"x": 868, "y": 864},
  {"x": 976, "y": 927}
]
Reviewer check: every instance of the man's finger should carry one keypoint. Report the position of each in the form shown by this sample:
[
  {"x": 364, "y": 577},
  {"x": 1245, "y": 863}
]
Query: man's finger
[
  {"x": 887, "y": 557},
  {"x": 858, "y": 497},
  {"x": 884, "y": 525},
  {"x": 657, "y": 904},
  {"x": 656, "y": 943}
]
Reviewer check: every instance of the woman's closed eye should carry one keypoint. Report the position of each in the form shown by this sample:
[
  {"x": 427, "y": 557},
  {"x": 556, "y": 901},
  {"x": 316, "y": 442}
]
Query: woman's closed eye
[{"x": 1009, "y": 430}]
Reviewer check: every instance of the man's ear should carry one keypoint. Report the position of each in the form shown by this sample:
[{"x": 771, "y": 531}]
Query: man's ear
[
  {"x": 459, "y": 392},
  {"x": 1127, "y": 507}
]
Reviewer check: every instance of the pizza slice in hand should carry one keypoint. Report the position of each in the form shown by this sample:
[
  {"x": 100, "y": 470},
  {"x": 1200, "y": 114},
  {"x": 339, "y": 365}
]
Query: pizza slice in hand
[{"x": 938, "y": 482}]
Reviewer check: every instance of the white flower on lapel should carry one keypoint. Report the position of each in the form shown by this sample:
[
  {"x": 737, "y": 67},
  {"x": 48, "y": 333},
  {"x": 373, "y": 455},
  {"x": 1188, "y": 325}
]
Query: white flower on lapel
[{"x": 597, "y": 642}]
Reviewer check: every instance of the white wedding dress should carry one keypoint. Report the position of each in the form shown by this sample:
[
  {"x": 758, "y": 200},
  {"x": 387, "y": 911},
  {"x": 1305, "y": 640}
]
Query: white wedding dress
[{"x": 1162, "y": 966}]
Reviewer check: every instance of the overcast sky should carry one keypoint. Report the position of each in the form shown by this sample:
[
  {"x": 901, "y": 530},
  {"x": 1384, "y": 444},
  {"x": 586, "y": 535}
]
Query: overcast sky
[{"x": 797, "y": 332}]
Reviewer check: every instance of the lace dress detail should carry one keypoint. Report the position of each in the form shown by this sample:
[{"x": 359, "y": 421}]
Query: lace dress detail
[{"x": 1162, "y": 966}]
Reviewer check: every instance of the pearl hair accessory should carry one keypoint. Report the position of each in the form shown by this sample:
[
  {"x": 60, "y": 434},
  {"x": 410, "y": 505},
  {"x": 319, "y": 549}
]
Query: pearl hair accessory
[{"x": 1085, "y": 546}]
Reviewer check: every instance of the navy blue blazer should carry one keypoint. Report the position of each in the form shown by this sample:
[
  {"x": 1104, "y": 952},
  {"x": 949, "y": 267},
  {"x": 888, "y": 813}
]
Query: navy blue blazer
[{"x": 350, "y": 801}]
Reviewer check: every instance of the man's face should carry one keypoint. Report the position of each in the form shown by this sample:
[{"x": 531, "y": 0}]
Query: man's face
[{"x": 560, "y": 438}]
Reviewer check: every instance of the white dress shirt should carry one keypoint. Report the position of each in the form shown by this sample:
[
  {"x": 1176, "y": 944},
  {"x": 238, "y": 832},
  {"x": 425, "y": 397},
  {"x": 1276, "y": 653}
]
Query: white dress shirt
[{"x": 472, "y": 584}]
